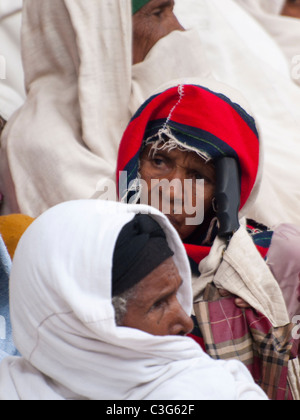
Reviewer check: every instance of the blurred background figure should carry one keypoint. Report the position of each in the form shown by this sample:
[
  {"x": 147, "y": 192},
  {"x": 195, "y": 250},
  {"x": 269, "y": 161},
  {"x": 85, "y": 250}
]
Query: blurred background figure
[
  {"x": 280, "y": 18},
  {"x": 241, "y": 53},
  {"x": 12, "y": 93},
  {"x": 58, "y": 147}
]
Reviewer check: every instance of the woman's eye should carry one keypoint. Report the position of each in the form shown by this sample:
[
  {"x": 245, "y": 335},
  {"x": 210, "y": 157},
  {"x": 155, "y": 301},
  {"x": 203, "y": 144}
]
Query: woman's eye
[
  {"x": 158, "y": 162},
  {"x": 196, "y": 175},
  {"x": 158, "y": 305},
  {"x": 158, "y": 12}
]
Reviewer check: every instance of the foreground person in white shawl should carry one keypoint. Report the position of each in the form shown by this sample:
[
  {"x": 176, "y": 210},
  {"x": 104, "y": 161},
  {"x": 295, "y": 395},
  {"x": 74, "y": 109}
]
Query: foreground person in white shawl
[{"x": 64, "y": 320}]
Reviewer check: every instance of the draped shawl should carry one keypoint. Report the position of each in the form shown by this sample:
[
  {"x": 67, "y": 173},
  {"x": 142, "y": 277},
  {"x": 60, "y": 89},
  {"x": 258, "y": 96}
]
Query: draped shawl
[{"x": 64, "y": 321}]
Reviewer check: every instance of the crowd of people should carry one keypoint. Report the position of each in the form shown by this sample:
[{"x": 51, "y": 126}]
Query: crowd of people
[{"x": 150, "y": 223}]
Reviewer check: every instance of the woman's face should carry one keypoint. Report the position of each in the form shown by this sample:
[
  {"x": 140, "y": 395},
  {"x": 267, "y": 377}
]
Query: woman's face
[
  {"x": 193, "y": 187},
  {"x": 155, "y": 308},
  {"x": 151, "y": 23}
]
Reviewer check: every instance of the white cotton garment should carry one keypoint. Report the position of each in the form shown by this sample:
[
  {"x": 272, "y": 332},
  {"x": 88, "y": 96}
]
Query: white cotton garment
[
  {"x": 64, "y": 322},
  {"x": 77, "y": 55},
  {"x": 285, "y": 30},
  {"x": 240, "y": 53},
  {"x": 12, "y": 89}
]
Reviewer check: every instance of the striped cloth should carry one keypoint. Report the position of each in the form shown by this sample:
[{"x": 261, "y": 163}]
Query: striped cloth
[{"x": 232, "y": 333}]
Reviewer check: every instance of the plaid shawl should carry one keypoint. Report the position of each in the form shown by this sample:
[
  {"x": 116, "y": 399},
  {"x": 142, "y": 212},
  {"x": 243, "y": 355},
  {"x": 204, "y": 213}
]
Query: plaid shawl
[
  {"x": 212, "y": 123},
  {"x": 232, "y": 333}
]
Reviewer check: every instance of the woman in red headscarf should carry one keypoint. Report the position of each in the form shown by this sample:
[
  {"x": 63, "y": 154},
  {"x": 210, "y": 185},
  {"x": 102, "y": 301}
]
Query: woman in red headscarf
[{"x": 193, "y": 141}]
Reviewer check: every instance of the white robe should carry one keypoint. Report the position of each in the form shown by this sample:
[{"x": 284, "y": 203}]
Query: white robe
[
  {"x": 64, "y": 322},
  {"x": 285, "y": 30},
  {"x": 12, "y": 92},
  {"x": 77, "y": 58}
]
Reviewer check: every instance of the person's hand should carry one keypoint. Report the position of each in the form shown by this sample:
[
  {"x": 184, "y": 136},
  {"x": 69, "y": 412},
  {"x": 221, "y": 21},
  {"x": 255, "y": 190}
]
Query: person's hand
[{"x": 240, "y": 303}]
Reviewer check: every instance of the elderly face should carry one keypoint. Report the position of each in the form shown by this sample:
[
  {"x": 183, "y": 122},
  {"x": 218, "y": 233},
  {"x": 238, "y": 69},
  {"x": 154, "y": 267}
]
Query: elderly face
[
  {"x": 292, "y": 8},
  {"x": 178, "y": 165},
  {"x": 155, "y": 308},
  {"x": 154, "y": 21}
]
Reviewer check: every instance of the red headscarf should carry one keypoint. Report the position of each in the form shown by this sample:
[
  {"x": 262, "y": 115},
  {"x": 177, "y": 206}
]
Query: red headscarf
[{"x": 200, "y": 119}]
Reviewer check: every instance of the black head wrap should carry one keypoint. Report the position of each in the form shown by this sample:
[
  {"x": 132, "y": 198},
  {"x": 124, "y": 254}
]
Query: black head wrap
[{"x": 141, "y": 247}]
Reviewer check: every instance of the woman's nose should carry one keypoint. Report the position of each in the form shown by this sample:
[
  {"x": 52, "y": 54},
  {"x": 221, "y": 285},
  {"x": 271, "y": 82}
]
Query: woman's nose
[{"x": 176, "y": 180}]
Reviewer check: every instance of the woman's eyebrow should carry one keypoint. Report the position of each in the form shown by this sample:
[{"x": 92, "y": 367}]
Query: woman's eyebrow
[{"x": 165, "y": 294}]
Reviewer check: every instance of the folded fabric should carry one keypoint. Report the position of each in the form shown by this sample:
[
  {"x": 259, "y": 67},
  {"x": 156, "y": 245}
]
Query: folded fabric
[
  {"x": 12, "y": 92},
  {"x": 232, "y": 333}
]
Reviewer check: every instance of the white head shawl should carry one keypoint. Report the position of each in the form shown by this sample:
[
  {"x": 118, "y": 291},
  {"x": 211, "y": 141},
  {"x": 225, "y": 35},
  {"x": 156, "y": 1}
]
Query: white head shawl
[{"x": 65, "y": 328}]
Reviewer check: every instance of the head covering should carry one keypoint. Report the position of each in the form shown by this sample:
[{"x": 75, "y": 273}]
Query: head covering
[
  {"x": 138, "y": 4},
  {"x": 64, "y": 321},
  {"x": 141, "y": 248},
  {"x": 202, "y": 119}
]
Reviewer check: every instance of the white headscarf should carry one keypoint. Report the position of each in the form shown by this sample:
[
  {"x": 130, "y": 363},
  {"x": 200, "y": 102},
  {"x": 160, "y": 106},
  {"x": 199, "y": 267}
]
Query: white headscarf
[
  {"x": 64, "y": 322},
  {"x": 240, "y": 53}
]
